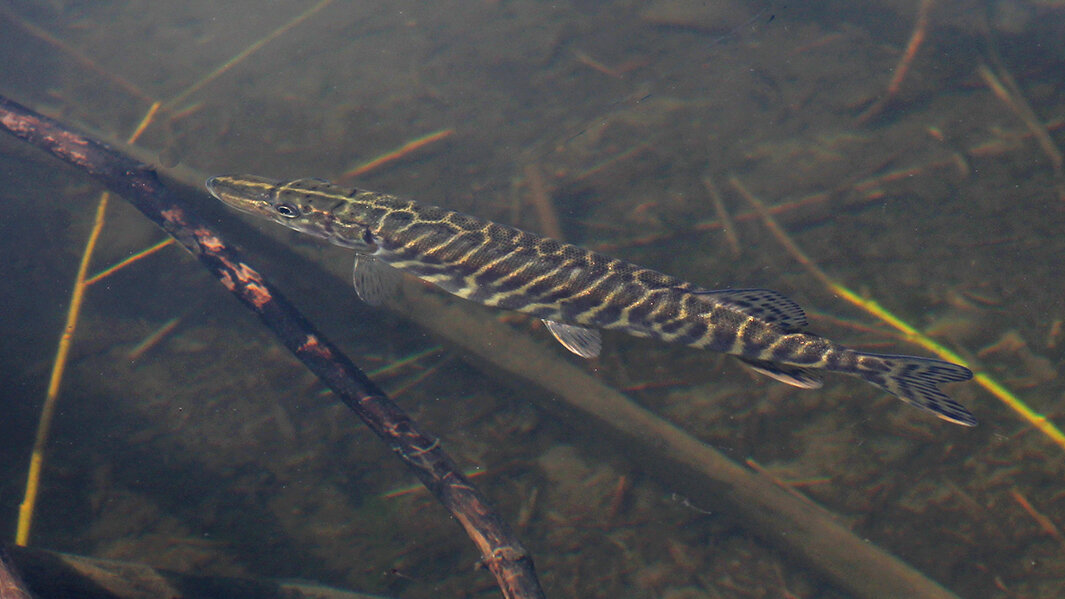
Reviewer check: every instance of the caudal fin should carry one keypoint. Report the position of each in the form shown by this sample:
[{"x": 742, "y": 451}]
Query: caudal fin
[{"x": 916, "y": 382}]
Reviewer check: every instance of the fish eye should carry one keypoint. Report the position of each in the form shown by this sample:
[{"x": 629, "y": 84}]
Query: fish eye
[{"x": 287, "y": 210}]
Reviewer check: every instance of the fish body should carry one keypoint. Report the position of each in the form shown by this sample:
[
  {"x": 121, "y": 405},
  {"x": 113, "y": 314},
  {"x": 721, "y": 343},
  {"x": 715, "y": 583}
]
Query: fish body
[{"x": 577, "y": 291}]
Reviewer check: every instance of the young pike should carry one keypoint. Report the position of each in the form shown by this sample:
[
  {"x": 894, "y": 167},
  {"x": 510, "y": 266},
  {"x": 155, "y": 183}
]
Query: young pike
[{"x": 576, "y": 291}]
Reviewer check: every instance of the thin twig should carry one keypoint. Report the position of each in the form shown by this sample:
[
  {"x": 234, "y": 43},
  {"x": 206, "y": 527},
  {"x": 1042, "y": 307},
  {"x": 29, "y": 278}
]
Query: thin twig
[
  {"x": 541, "y": 200},
  {"x": 406, "y": 149},
  {"x": 911, "y": 334},
  {"x": 1010, "y": 95},
  {"x": 727, "y": 226},
  {"x": 920, "y": 31},
  {"x": 1045, "y": 524},
  {"x": 110, "y": 270},
  {"x": 153, "y": 339},
  {"x": 44, "y": 425},
  {"x": 76, "y": 54},
  {"x": 501, "y": 551},
  {"x": 246, "y": 52}
]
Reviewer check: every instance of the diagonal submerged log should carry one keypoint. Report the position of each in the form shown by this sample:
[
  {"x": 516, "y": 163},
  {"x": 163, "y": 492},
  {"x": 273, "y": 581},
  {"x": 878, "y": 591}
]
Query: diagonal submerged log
[{"x": 501, "y": 551}]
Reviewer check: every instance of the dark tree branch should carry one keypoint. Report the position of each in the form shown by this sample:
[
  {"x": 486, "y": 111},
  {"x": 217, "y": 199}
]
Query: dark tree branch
[{"x": 501, "y": 551}]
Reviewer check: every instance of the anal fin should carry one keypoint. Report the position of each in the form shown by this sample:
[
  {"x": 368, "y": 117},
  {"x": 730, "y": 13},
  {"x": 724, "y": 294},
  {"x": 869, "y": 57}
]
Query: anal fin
[
  {"x": 582, "y": 341},
  {"x": 785, "y": 373}
]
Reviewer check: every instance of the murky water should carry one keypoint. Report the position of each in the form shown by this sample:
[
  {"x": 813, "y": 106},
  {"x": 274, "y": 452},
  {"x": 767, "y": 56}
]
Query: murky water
[{"x": 936, "y": 193}]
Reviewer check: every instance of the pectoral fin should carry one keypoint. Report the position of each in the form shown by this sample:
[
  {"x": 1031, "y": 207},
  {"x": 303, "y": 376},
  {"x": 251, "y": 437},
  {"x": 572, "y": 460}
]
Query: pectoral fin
[
  {"x": 785, "y": 373},
  {"x": 375, "y": 281},
  {"x": 586, "y": 343}
]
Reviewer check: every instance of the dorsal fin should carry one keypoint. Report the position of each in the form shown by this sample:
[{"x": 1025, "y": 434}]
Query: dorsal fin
[{"x": 764, "y": 304}]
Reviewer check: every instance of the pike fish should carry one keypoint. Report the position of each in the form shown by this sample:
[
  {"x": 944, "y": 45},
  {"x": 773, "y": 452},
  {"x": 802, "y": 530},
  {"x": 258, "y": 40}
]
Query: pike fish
[{"x": 575, "y": 291}]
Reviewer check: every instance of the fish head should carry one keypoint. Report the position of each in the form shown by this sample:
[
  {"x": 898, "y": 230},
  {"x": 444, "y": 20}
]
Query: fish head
[{"x": 305, "y": 205}]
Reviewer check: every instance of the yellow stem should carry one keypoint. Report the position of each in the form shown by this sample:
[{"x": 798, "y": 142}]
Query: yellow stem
[{"x": 25, "y": 511}]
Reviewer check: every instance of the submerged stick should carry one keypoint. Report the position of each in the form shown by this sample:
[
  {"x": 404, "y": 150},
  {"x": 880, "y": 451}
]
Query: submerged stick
[
  {"x": 805, "y": 531},
  {"x": 541, "y": 200},
  {"x": 911, "y": 334},
  {"x": 501, "y": 551},
  {"x": 1006, "y": 90},
  {"x": 400, "y": 152},
  {"x": 59, "y": 365},
  {"x": 44, "y": 426},
  {"x": 920, "y": 31}
]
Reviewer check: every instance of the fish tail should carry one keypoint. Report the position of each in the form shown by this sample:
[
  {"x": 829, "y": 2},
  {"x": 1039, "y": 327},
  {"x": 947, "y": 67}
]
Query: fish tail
[{"x": 916, "y": 382}]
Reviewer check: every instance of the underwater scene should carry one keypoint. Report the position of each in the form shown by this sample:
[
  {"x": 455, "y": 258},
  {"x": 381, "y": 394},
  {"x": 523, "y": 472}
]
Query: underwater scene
[{"x": 855, "y": 204}]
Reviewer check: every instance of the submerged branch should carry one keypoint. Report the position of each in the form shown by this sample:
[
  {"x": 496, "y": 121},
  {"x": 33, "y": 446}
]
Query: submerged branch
[{"x": 138, "y": 183}]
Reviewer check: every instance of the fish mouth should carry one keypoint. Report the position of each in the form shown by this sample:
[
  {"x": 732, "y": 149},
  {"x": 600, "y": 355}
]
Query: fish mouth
[
  {"x": 243, "y": 192},
  {"x": 211, "y": 185},
  {"x": 222, "y": 188},
  {"x": 227, "y": 188}
]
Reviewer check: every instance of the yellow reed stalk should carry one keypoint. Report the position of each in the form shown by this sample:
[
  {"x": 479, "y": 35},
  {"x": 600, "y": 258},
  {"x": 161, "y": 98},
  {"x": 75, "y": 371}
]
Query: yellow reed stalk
[
  {"x": 398, "y": 153},
  {"x": 25, "y": 511},
  {"x": 28, "y": 504},
  {"x": 147, "y": 120},
  {"x": 77, "y": 296},
  {"x": 911, "y": 334},
  {"x": 110, "y": 270}
]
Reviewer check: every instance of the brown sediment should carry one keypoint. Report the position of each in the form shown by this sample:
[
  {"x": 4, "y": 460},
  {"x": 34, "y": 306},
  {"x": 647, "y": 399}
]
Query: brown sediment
[{"x": 11, "y": 586}]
